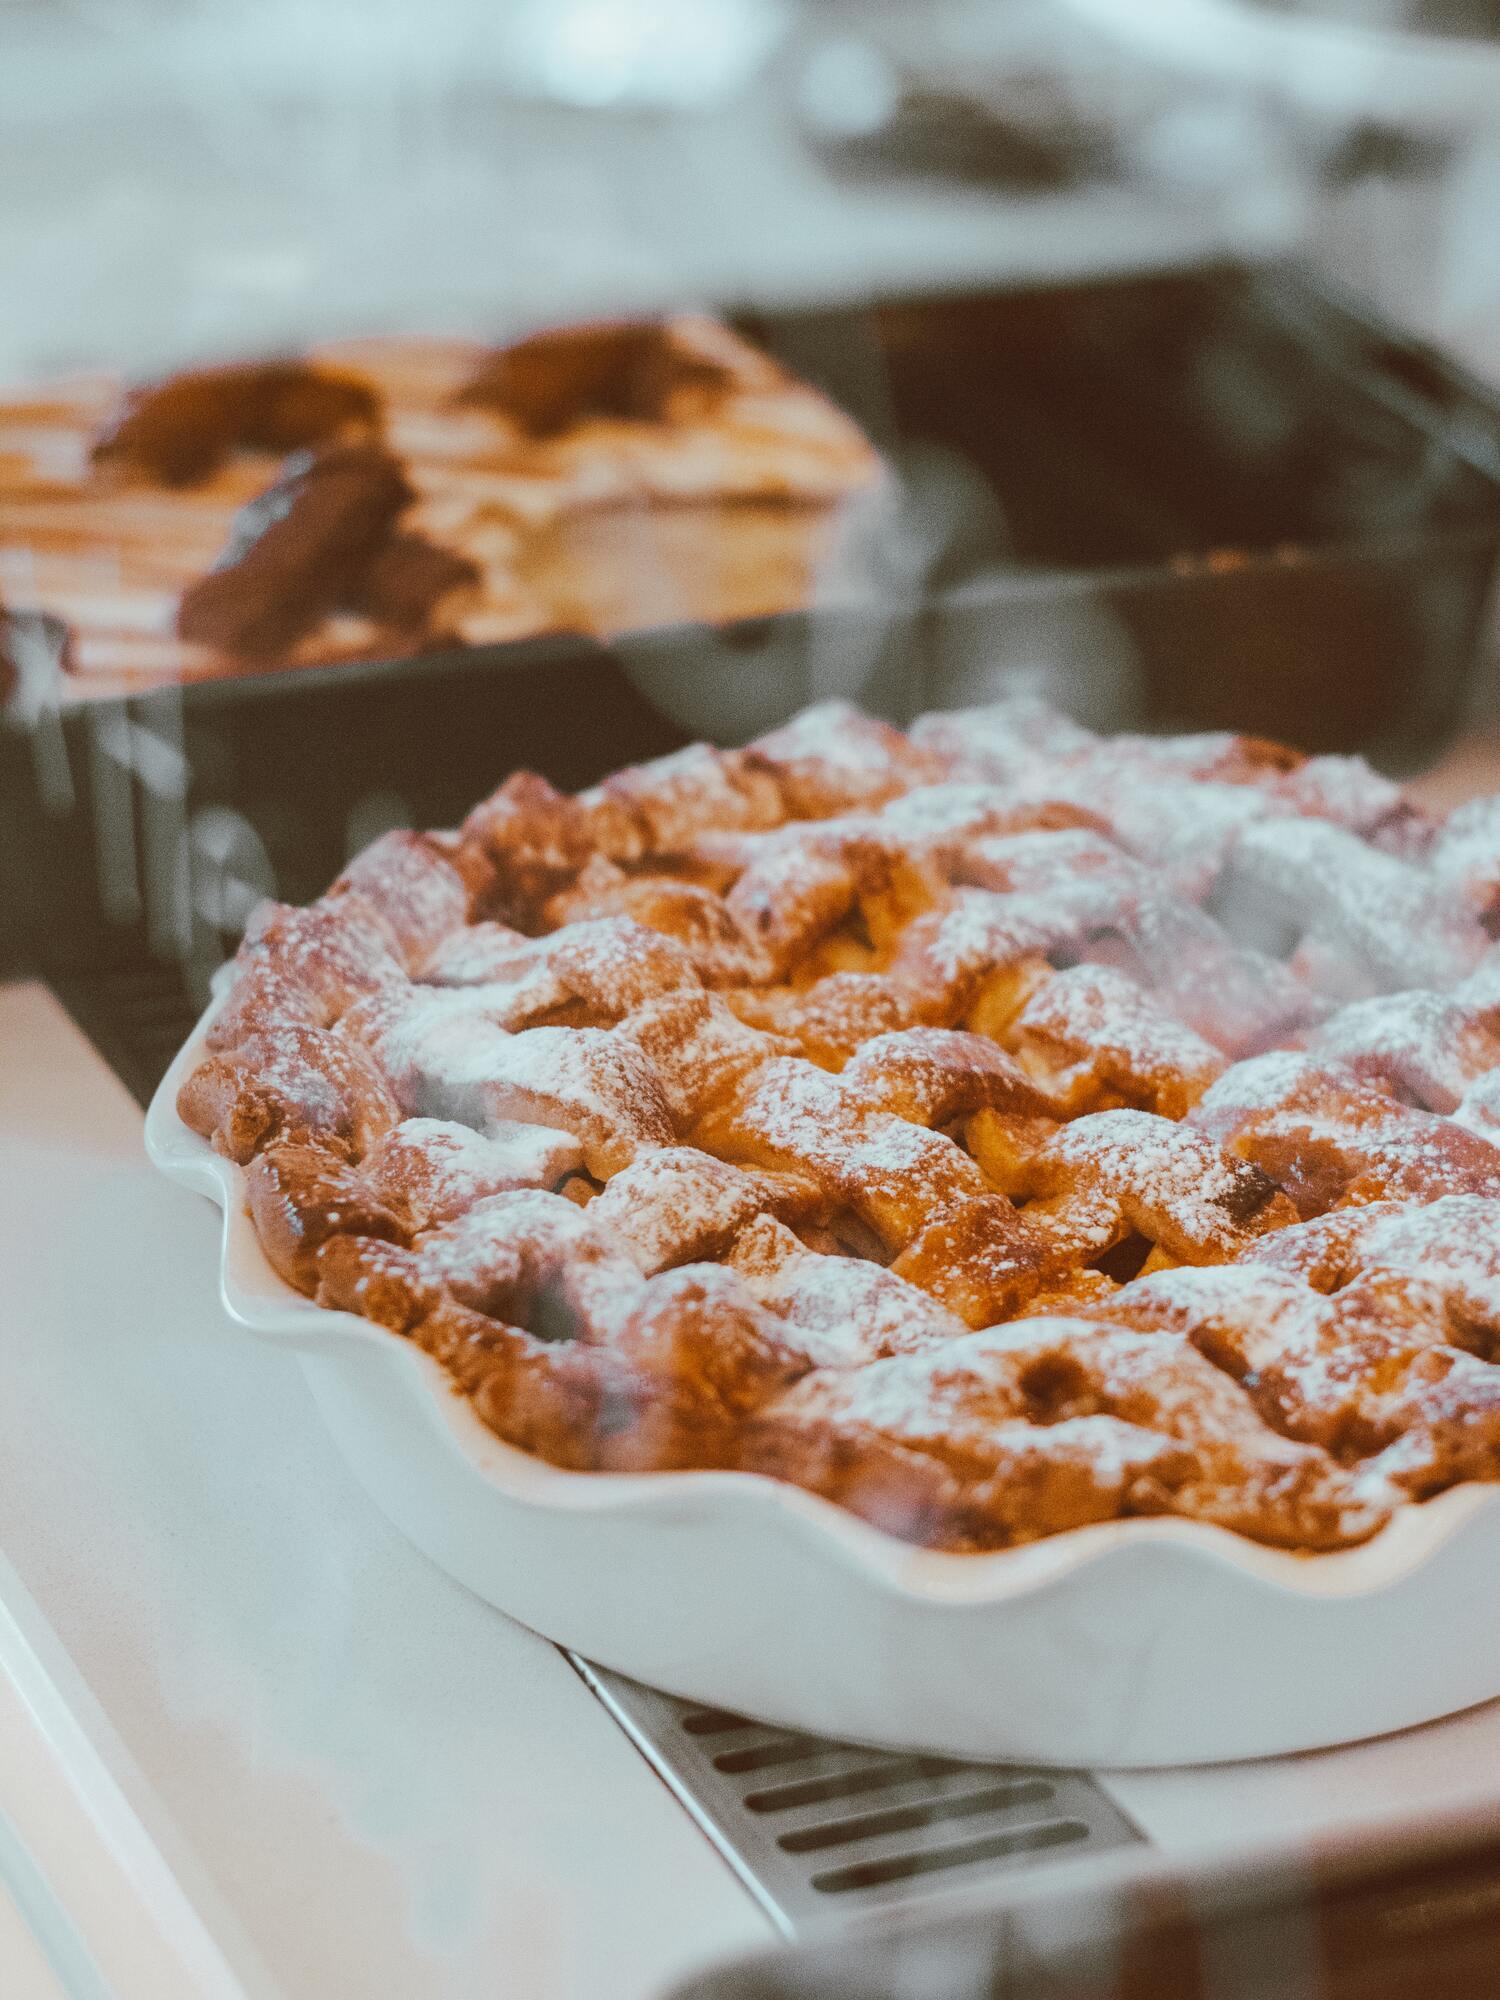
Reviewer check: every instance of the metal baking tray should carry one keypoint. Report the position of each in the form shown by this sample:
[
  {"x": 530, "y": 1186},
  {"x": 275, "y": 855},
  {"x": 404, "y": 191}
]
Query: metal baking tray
[{"x": 1211, "y": 498}]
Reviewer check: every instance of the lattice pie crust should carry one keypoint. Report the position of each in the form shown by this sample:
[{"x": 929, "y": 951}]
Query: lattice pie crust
[{"x": 993, "y": 1128}]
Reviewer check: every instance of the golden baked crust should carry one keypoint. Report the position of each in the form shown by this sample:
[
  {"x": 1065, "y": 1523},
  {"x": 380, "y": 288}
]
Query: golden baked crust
[{"x": 910, "y": 1117}]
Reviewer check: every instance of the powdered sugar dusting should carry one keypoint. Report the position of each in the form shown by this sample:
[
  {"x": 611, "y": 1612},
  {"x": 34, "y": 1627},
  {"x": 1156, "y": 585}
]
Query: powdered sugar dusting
[
  {"x": 1479, "y": 1107},
  {"x": 1379, "y": 911},
  {"x": 1171, "y": 1182},
  {"x": 1327, "y": 1136},
  {"x": 476, "y": 955},
  {"x": 437, "y": 1169},
  {"x": 1093, "y": 1026},
  {"x": 1425, "y": 1046},
  {"x": 845, "y": 1311},
  {"x": 1012, "y": 1018},
  {"x": 677, "y": 1204},
  {"x": 1466, "y": 855}
]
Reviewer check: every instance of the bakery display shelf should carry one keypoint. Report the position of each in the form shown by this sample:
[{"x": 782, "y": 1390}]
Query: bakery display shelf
[
  {"x": 1220, "y": 498},
  {"x": 128, "y": 829}
]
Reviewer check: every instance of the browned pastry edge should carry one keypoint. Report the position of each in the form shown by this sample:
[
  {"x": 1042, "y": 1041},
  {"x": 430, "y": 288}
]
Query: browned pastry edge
[
  {"x": 612, "y": 368},
  {"x": 180, "y": 429},
  {"x": 410, "y": 584},
  {"x": 302, "y": 547}
]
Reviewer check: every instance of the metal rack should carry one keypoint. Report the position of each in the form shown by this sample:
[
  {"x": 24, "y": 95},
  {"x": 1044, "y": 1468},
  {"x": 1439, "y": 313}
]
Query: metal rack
[{"x": 818, "y": 1829}]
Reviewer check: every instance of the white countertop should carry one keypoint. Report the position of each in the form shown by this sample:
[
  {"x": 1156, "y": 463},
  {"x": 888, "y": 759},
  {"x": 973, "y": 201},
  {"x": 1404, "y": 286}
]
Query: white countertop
[
  {"x": 379, "y": 1785},
  {"x": 26, "y": 1973}
]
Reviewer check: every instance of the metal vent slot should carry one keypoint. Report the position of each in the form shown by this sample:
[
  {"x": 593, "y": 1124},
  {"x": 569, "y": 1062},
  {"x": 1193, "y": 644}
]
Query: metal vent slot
[
  {"x": 925, "y": 1824},
  {"x": 713, "y": 1722},
  {"x": 900, "y": 1819},
  {"x": 763, "y": 1756},
  {"x": 902, "y": 1867},
  {"x": 848, "y": 1785}
]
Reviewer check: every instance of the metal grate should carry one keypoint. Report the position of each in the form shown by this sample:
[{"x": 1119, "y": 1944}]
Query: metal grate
[{"x": 816, "y": 1828}]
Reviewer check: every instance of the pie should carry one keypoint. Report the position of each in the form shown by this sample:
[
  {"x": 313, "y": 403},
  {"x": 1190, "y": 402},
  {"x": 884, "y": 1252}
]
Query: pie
[
  {"x": 993, "y": 1128},
  {"x": 375, "y": 498}
]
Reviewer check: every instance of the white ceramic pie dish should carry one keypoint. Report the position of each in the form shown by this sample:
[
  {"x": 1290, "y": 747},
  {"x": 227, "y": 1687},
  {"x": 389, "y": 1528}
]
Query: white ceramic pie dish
[{"x": 1139, "y": 1642}]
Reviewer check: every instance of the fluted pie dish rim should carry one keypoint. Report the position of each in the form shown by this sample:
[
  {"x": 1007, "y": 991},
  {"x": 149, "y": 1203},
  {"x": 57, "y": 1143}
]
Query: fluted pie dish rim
[
  {"x": 257, "y": 1298},
  {"x": 773, "y": 1380}
]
